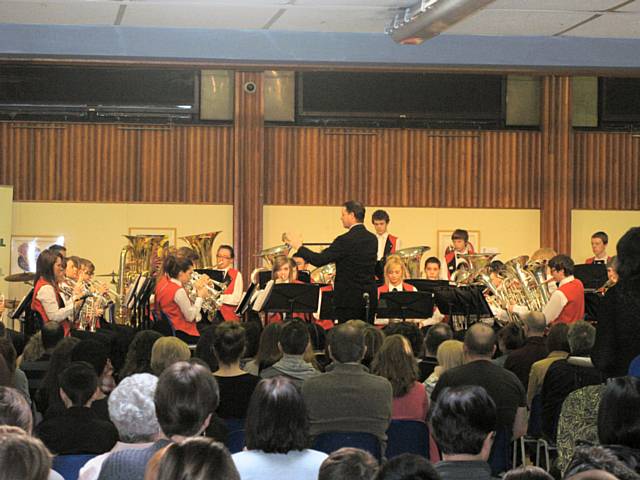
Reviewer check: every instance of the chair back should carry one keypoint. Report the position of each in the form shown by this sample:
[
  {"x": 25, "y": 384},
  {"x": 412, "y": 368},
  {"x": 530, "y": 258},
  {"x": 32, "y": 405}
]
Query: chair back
[
  {"x": 235, "y": 438},
  {"x": 407, "y": 436},
  {"x": 69, "y": 465},
  {"x": 162, "y": 325},
  {"x": 329, "y": 442}
]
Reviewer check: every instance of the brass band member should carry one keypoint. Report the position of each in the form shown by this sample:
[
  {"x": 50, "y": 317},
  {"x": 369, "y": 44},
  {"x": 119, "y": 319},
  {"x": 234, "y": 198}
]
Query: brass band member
[
  {"x": 387, "y": 244},
  {"x": 232, "y": 295},
  {"x": 599, "y": 242},
  {"x": 459, "y": 245},
  {"x": 432, "y": 268},
  {"x": 284, "y": 271},
  {"x": 394, "y": 274}
]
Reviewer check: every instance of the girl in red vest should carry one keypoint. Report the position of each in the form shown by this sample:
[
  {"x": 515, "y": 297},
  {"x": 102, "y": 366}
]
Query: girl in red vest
[
  {"x": 173, "y": 301},
  {"x": 46, "y": 293},
  {"x": 285, "y": 271},
  {"x": 394, "y": 274}
]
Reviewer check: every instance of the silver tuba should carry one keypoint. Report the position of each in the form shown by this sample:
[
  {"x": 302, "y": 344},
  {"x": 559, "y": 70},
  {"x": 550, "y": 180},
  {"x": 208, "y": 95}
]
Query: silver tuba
[
  {"x": 412, "y": 259},
  {"x": 202, "y": 243}
]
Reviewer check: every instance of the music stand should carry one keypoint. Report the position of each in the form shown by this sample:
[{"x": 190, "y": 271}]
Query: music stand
[
  {"x": 290, "y": 298},
  {"x": 465, "y": 300},
  {"x": 264, "y": 276},
  {"x": 592, "y": 276},
  {"x": 327, "y": 308},
  {"x": 246, "y": 300},
  {"x": 424, "y": 285},
  {"x": 304, "y": 276},
  {"x": 405, "y": 305}
]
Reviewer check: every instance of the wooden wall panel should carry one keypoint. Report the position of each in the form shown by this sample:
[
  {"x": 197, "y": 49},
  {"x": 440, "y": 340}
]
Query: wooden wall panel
[
  {"x": 420, "y": 168},
  {"x": 607, "y": 171},
  {"x": 116, "y": 163}
]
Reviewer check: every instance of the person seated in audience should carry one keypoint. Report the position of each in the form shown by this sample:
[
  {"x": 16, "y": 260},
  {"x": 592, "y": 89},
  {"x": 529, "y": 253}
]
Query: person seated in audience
[
  {"x": 503, "y": 386},
  {"x": 96, "y": 354},
  {"x": 277, "y": 435},
  {"x": 18, "y": 378},
  {"x": 45, "y": 341},
  {"x": 565, "y": 376},
  {"x": 204, "y": 348},
  {"x": 77, "y": 430},
  {"x": 348, "y": 464},
  {"x": 558, "y": 348},
  {"x": 407, "y": 466},
  {"x": 185, "y": 399},
  {"x": 294, "y": 340},
  {"x": 5, "y": 375},
  {"x": 23, "y": 457},
  {"x": 268, "y": 351},
  {"x": 618, "y": 414},
  {"x": 236, "y": 385},
  {"x": 360, "y": 402},
  {"x": 138, "y": 359},
  {"x": 599, "y": 242},
  {"x": 510, "y": 338},
  {"x": 396, "y": 363},
  {"x": 535, "y": 347},
  {"x": 373, "y": 340},
  {"x": 597, "y": 462},
  {"x": 527, "y": 473},
  {"x": 15, "y": 411},
  {"x": 463, "y": 422},
  {"x": 411, "y": 332},
  {"x": 196, "y": 458},
  {"x": 48, "y": 395},
  {"x": 436, "y": 334},
  {"x": 432, "y": 267},
  {"x": 33, "y": 349},
  {"x": 166, "y": 351},
  {"x": 132, "y": 411},
  {"x": 450, "y": 355}
]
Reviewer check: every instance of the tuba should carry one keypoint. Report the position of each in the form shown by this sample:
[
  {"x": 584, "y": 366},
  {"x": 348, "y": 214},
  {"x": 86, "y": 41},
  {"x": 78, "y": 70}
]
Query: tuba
[
  {"x": 202, "y": 243},
  {"x": 524, "y": 281},
  {"x": 269, "y": 254},
  {"x": 477, "y": 263},
  {"x": 324, "y": 274},
  {"x": 412, "y": 259},
  {"x": 538, "y": 270}
]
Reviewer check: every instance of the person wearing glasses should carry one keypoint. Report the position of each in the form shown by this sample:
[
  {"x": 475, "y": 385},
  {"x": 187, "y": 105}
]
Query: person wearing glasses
[{"x": 232, "y": 295}]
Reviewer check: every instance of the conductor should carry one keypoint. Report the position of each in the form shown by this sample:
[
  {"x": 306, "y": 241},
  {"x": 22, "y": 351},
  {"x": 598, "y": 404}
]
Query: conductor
[{"x": 355, "y": 255}]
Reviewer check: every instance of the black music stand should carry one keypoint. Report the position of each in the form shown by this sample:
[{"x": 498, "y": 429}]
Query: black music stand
[
  {"x": 465, "y": 300},
  {"x": 32, "y": 321},
  {"x": 246, "y": 300},
  {"x": 405, "y": 305},
  {"x": 263, "y": 278},
  {"x": 290, "y": 298},
  {"x": 424, "y": 285},
  {"x": 327, "y": 309},
  {"x": 592, "y": 276},
  {"x": 304, "y": 276}
]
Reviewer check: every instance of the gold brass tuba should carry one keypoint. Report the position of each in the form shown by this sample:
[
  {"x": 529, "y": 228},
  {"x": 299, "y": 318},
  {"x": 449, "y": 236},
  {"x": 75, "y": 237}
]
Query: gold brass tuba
[
  {"x": 412, "y": 259},
  {"x": 477, "y": 263},
  {"x": 202, "y": 243},
  {"x": 324, "y": 274},
  {"x": 269, "y": 254}
]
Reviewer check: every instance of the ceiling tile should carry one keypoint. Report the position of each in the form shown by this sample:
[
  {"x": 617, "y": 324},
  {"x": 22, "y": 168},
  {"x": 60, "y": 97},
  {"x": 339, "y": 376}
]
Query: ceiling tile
[
  {"x": 330, "y": 20},
  {"x": 610, "y": 25},
  {"x": 58, "y": 13},
  {"x": 562, "y": 5}
]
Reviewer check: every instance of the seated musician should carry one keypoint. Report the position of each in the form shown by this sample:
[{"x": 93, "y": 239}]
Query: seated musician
[
  {"x": 172, "y": 299},
  {"x": 612, "y": 275},
  {"x": 71, "y": 277},
  {"x": 232, "y": 295},
  {"x": 432, "y": 268},
  {"x": 395, "y": 272},
  {"x": 301, "y": 263},
  {"x": 459, "y": 245},
  {"x": 387, "y": 244},
  {"x": 599, "y": 242},
  {"x": 47, "y": 300},
  {"x": 284, "y": 271}
]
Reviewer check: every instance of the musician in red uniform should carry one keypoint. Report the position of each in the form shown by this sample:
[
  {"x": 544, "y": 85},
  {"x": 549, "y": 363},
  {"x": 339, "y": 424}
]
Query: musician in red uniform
[
  {"x": 387, "y": 243},
  {"x": 566, "y": 304},
  {"x": 172, "y": 299},
  {"x": 599, "y": 242},
  {"x": 432, "y": 268},
  {"x": 394, "y": 273},
  {"x": 284, "y": 271},
  {"x": 47, "y": 300},
  {"x": 459, "y": 245},
  {"x": 232, "y": 295}
]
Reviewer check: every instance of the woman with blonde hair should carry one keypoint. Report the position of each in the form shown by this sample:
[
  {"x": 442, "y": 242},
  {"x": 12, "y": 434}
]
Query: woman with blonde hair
[
  {"x": 395, "y": 272},
  {"x": 449, "y": 355},
  {"x": 23, "y": 457},
  {"x": 166, "y": 351}
]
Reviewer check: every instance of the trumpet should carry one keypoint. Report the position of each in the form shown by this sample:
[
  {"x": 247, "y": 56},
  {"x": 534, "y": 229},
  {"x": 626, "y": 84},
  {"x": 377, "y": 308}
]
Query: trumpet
[{"x": 212, "y": 302}]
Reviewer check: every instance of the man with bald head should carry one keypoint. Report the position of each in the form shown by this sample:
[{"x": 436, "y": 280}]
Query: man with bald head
[
  {"x": 502, "y": 385},
  {"x": 535, "y": 347}
]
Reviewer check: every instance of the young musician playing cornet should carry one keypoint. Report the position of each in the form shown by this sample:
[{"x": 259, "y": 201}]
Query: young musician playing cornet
[{"x": 232, "y": 295}]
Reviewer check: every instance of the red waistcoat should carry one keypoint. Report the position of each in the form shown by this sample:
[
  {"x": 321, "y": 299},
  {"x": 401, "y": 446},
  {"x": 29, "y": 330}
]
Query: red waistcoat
[
  {"x": 574, "y": 309},
  {"x": 228, "y": 312},
  {"x": 36, "y": 305},
  {"x": 165, "y": 294}
]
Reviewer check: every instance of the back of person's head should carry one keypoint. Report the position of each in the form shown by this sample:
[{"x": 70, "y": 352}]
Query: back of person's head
[
  {"x": 229, "y": 342},
  {"x": 527, "y": 473},
  {"x": 557, "y": 338},
  {"x": 450, "y": 354},
  {"x": 60, "y": 359},
  {"x": 139, "y": 353},
  {"x": 357, "y": 208},
  {"x": 411, "y": 332},
  {"x": 173, "y": 265},
  {"x": 437, "y": 334},
  {"x": 581, "y": 337},
  {"x": 8, "y": 352},
  {"x": 52, "y": 333},
  {"x": 373, "y": 339},
  {"x": 395, "y": 362},
  {"x": 596, "y": 459},
  {"x": 186, "y": 395},
  {"x": 628, "y": 252},
  {"x": 294, "y": 337},
  {"x": 6, "y": 376},
  {"x": 166, "y": 351},
  {"x": 535, "y": 322},
  {"x": 34, "y": 349},
  {"x": 277, "y": 417},
  {"x": 23, "y": 457},
  {"x": 15, "y": 410},
  {"x": 204, "y": 348},
  {"x": 197, "y": 458},
  {"x": 562, "y": 263},
  {"x": 346, "y": 343},
  {"x": 461, "y": 419},
  {"x": 480, "y": 340},
  {"x": 131, "y": 408},
  {"x": 348, "y": 464},
  {"x": 407, "y": 466},
  {"x": 511, "y": 337},
  {"x": 79, "y": 383},
  {"x": 253, "y": 331},
  {"x": 618, "y": 413},
  {"x": 268, "y": 351},
  {"x": 92, "y": 352}
]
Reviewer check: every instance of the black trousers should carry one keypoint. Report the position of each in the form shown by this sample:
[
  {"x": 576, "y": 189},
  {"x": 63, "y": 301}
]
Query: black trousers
[{"x": 345, "y": 313}]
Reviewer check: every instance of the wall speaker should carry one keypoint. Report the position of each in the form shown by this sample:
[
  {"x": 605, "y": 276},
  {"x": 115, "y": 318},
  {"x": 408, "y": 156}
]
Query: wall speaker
[
  {"x": 216, "y": 94},
  {"x": 523, "y": 101}
]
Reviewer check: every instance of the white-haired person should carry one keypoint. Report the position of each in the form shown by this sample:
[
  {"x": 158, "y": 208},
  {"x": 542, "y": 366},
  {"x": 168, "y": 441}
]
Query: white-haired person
[{"x": 132, "y": 411}]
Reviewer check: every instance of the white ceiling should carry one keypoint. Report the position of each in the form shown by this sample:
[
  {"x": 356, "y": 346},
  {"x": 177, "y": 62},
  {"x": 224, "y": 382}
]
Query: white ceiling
[{"x": 583, "y": 18}]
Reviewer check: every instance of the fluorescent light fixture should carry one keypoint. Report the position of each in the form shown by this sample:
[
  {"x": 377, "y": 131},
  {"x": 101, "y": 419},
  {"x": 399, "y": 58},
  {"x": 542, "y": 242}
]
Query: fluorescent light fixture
[{"x": 429, "y": 18}]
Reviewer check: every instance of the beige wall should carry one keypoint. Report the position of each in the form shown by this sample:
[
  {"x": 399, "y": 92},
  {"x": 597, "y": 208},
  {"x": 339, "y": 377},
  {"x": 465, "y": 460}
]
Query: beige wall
[
  {"x": 6, "y": 199},
  {"x": 510, "y": 232},
  {"x": 585, "y": 223}
]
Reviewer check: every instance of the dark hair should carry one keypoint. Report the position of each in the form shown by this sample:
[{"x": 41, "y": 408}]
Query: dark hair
[
  {"x": 173, "y": 265},
  {"x": 79, "y": 382},
  {"x": 6, "y": 378},
  {"x": 229, "y": 342},
  {"x": 380, "y": 215},
  {"x": 460, "y": 234},
  {"x": 527, "y": 473},
  {"x": 88, "y": 265},
  {"x": 294, "y": 337},
  {"x": 461, "y": 419},
  {"x": 232, "y": 252},
  {"x": 407, "y": 466},
  {"x": 497, "y": 267},
  {"x": 355, "y": 207},
  {"x": 44, "y": 266},
  {"x": 618, "y": 414},
  {"x": 58, "y": 249},
  {"x": 197, "y": 458},
  {"x": 92, "y": 352},
  {"x": 189, "y": 253},
  {"x": 139, "y": 353},
  {"x": 557, "y": 337},
  {"x": 346, "y": 343},
  {"x": 480, "y": 340},
  {"x": 204, "y": 348},
  {"x": 437, "y": 334},
  {"x": 628, "y": 250},
  {"x": 373, "y": 340},
  {"x": 186, "y": 395},
  {"x": 15, "y": 410},
  {"x": 48, "y": 396},
  {"x": 435, "y": 260},
  {"x": 411, "y": 332},
  {"x": 562, "y": 262},
  {"x": 581, "y": 337},
  {"x": 602, "y": 236},
  {"x": 396, "y": 365},
  {"x": 268, "y": 352},
  {"x": 348, "y": 464},
  {"x": 253, "y": 329},
  {"x": 277, "y": 417},
  {"x": 512, "y": 336},
  {"x": 596, "y": 457},
  {"x": 8, "y": 352},
  {"x": 23, "y": 457},
  {"x": 52, "y": 333}
]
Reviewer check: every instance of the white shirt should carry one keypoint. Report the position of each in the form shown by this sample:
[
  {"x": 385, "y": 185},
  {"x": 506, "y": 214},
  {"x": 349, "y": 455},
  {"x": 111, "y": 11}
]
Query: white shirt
[
  {"x": 299, "y": 465},
  {"x": 190, "y": 311},
  {"x": 91, "y": 469},
  {"x": 234, "y": 297},
  {"x": 47, "y": 297},
  {"x": 382, "y": 241}
]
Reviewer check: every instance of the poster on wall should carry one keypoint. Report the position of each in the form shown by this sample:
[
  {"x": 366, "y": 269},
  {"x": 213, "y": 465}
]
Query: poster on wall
[
  {"x": 444, "y": 240},
  {"x": 25, "y": 250}
]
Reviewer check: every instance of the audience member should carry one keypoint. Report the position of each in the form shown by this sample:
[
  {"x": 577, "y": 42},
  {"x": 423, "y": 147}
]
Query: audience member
[
  {"x": 236, "y": 385},
  {"x": 348, "y": 464},
  {"x": 277, "y": 435},
  {"x": 510, "y": 338},
  {"x": 407, "y": 467},
  {"x": 589, "y": 462},
  {"x": 15, "y": 410},
  {"x": 294, "y": 340},
  {"x": 166, "y": 351},
  {"x": 96, "y": 354},
  {"x": 33, "y": 350},
  {"x": 535, "y": 347},
  {"x": 618, "y": 414},
  {"x": 138, "y": 358},
  {"x": 22, "y": 457},
  {"x": 18, "y": 378},
  {"x": 463, "y": 421},
  {"x": 502, "y": 386},
  {"x": 48, "y": 396},
  {"x": 360, "y": 402},
  {"x": 268, "y": 351},
  {"x": 36, "y": 368},
  {"x": 450, "y": 354},
  {"x": 438, "y": 333},
  {"x": 527, "y": 473},
  {"x": 132, "y": 411},
  {"x": 197, "y": 458},
  {"x": 558, "y": 347},
  {"x": 411, "y": 332},
  {"x": 373, "y": 339},
  {"x": 204, "y": 347}
]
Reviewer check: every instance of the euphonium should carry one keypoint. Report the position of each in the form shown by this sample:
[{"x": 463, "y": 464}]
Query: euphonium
[
  {"x": 412, "y": 259},
  {"x": 538, "y": 269},
  {"x": 202, "y": 243}
]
